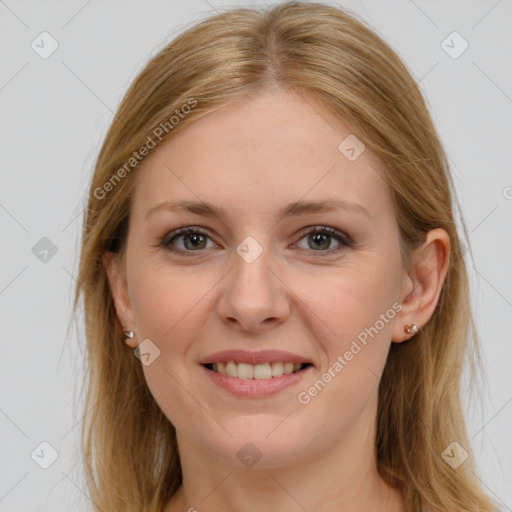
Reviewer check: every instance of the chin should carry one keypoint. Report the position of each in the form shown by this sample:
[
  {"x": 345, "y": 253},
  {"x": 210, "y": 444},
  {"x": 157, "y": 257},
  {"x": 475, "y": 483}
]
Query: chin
[{"x": 265, "y": 444}]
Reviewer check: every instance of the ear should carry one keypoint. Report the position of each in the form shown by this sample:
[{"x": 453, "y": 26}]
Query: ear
[
  {"x": 422, "y": 282},
  {"x": 116, "y": 274}
]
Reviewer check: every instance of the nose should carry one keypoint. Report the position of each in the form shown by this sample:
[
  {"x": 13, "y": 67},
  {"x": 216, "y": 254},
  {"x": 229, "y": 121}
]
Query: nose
[{"x": 253, "y": 296}]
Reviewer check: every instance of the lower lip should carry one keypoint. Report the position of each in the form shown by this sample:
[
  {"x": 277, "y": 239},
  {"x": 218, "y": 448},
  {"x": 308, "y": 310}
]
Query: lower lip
[{"x": 255, "y": 388}]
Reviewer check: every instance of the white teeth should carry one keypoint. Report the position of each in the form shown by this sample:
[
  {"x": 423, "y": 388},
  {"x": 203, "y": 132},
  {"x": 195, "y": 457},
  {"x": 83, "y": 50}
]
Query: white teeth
[
  {"x": 277, "y": 369},
  {"x": 261, "y": 371},
  {"x": 245, "y": 371},
  {"x": 231, "y": 369}
]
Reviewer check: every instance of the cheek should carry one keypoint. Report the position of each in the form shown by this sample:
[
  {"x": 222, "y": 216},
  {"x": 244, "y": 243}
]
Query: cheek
[
  {"x": 358, "y": 305},
  {"x": 169, "y": 311},
  {"x": 353, "y": 299},
  {"x": 165, "y": 300}
]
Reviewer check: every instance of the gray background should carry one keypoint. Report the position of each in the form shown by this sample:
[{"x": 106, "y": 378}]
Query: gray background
[{"x": 54, "y": 114}]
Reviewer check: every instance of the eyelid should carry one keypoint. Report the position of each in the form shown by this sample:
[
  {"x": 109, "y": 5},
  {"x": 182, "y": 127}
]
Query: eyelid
[
  {"x": 322, "y": 228},
  {"x": 166, "y": 241},
  {"x": 344, "y": 241},
  {"x": 185, "y": 230}
]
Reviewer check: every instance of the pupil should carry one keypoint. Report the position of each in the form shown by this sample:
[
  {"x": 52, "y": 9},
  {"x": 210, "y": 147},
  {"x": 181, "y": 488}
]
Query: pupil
[
  {"x": 196, "y": 240},
  {"x": 320, "y": 238}
]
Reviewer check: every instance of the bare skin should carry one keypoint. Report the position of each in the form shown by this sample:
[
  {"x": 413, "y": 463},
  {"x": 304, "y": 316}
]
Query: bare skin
[{"x": 305, "y": 295}]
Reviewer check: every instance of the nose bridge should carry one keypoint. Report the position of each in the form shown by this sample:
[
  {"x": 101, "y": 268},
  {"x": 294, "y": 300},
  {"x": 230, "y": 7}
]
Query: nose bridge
[
  {"x": 253, "y": 274},
  {"x": 252, "y": 279},
  {"x": 252, "y": 294}
]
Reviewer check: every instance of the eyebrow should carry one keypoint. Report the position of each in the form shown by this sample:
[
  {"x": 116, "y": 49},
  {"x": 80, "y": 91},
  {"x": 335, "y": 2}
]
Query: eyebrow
[{"x": 290, "y": 210}]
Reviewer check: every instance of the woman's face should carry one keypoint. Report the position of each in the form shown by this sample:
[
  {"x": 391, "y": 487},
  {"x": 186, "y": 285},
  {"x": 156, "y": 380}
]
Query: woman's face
[{"x": 258, "y": 282}]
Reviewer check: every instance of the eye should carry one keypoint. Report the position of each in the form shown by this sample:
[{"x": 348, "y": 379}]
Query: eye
[
  {"x": 320, "y": 239},
  {"x": 193, "y": 239}
]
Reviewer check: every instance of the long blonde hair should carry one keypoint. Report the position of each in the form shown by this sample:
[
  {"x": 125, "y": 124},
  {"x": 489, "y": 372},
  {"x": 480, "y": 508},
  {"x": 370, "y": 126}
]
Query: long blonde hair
[{"x": 129, "y": 446}]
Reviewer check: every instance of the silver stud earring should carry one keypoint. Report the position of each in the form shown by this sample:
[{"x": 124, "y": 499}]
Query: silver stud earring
[{"x": 128, "y": 334}]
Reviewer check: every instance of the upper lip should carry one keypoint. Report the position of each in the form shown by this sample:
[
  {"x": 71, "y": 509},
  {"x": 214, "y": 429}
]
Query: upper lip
[{"x": 254, "y": 357}]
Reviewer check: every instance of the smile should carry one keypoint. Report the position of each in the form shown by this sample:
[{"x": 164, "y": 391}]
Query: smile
[
  {"x": 263, "y": 371},
  {"x": 255, "y": 374}
]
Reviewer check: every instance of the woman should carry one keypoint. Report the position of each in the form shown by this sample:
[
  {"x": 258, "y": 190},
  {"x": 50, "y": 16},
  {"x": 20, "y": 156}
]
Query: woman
[{"x": 277, "y": 307}]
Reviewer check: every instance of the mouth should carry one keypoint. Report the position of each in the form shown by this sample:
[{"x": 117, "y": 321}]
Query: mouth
[
  {"x": 263, "y": 371},
  {"x": 255, "y": 374}
]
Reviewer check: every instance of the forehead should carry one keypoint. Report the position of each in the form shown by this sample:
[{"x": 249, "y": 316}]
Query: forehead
[{"x": 262, "y": 151}]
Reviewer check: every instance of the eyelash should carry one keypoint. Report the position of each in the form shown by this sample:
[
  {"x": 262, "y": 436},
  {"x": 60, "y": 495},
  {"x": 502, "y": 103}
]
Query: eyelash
[{"x": 344, "y": 240}]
